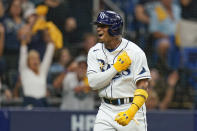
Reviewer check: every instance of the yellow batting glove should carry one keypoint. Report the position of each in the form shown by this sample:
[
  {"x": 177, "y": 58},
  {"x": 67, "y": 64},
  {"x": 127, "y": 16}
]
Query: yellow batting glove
[
  {"x": 123, "y": 62},
  {"x": 140, "y": 96},
  {"x": 123, "y": 118}
]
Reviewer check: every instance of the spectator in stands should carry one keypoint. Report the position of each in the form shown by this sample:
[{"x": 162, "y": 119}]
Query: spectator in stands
[
  {"x": 153, "y": 100},
  {"x": 36, "y": 38},
  {"x": 3, "y": 87},
  {"x": 57, "y": 12},
  {"x": 62, "y": 59},
  {"x": 189, "y": 9},
  {"x": 163, "y": 22},
  {"x": 3, "y": 78},
  {"x": 33, "y": 73},
  {"x": 2, "y": 11},
  {"x": 26, "y": 5},
  {"x": 35, "y": 42},
  {"x": 162, "y": 90},
  {"x": 6, "y": 94},
  {"x": 36, "y": 22},
  {"x": 71, "y": 67},
  {"x": 18, "y": 91},
  {"x": 70, "y": 33},
  {"x": 172, "y": 81},
  {"x": 42, "y": 24},
  {"x": 76, "y": 91},
  {"x": 89, "y": 40},
  {"x": 82, "y": 12},
  {"x": 13, "y": 22},
  {"x": 143, "y": 10}
]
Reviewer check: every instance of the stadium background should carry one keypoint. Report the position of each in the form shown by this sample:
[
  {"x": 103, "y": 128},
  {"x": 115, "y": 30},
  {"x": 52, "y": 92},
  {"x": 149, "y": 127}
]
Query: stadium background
[{"x": 172, "y": 95}]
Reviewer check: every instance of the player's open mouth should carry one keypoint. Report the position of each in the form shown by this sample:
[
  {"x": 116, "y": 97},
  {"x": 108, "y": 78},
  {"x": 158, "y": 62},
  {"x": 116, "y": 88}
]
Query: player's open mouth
[{"x": 100, "y": 35}]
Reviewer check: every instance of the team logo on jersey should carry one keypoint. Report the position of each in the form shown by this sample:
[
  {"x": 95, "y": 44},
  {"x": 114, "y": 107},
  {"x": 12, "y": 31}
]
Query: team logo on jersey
[
  {"x": 123, "y": 73},
  {"x": 103, "y": 65}
]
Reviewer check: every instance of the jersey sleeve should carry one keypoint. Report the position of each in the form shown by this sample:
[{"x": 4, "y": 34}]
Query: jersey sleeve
[
  {"x": 93, "y": 65},
  {"x": 140, "y": 68},
  {"x": 96, "y": 78}
]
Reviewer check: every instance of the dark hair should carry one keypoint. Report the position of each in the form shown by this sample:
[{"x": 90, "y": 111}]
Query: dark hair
[
  {"x": 58, "y": 53},
  {"x": 9, "y": 5}
]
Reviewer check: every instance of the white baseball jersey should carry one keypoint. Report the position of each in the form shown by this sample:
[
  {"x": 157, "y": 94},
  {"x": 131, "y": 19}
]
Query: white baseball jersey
[
  {"x": 110, "y": 83},
  {"x": 102, "y": 76}
]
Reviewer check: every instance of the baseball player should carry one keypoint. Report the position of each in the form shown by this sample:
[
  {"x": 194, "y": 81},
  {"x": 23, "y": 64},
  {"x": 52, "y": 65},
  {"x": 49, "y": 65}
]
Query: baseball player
[{"x": 118, "y": 69}]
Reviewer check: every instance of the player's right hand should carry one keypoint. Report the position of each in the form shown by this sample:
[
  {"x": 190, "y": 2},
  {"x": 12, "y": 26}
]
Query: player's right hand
[{"x": 123, "y": 62}]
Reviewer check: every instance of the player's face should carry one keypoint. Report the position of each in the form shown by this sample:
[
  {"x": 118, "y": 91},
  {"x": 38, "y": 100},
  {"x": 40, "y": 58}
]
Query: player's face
[{"x": 103, "y": 35}]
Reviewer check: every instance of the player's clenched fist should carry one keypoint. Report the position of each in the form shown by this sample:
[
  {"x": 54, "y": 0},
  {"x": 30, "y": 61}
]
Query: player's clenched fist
[
  {"x": 123, "y": 118},
  {"x": 140, "y": 97},
  {"x": 123, "y": 62}
]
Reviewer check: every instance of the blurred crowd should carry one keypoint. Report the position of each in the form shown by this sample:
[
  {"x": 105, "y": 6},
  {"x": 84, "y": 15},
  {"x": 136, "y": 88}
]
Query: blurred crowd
[
  {"x": 44, "y": 46},
  {"x": 157, "y": 27}
]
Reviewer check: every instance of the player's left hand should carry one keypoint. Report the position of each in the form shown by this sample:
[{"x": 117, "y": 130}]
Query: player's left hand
[{"x": 123, "y": 118}]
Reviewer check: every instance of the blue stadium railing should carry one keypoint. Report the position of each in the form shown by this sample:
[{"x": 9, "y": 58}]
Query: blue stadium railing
[{"x": 56, "y": 120}]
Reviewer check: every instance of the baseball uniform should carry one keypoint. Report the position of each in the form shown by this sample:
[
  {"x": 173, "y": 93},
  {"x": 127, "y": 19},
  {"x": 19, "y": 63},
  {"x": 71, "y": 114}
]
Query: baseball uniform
[{"x": 116, "y": 90}]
